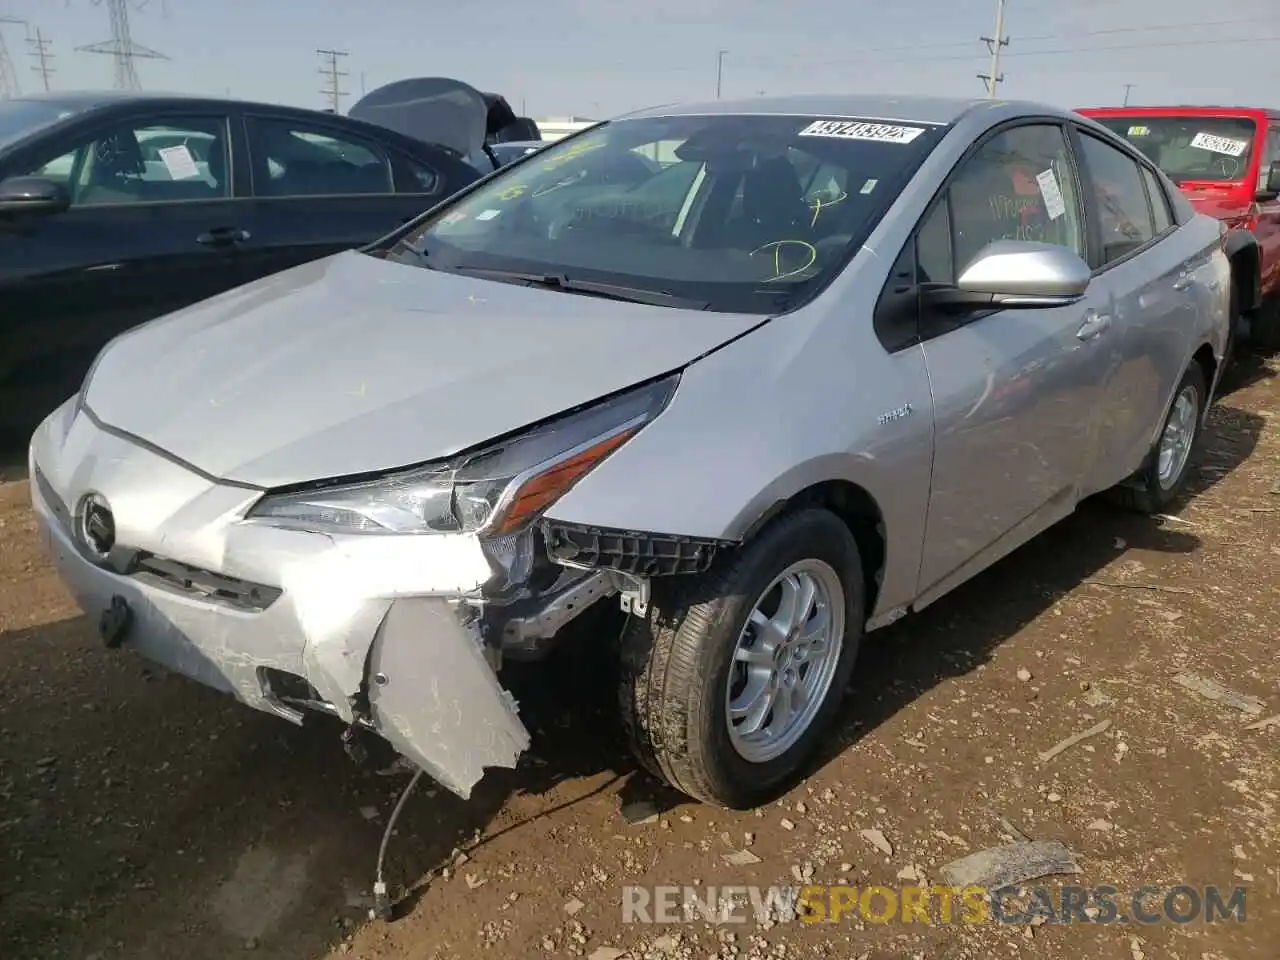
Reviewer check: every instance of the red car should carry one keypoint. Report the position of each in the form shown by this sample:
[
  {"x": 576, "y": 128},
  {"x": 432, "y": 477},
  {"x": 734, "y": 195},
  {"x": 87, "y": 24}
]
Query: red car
[{"x": 1227, "y": 162}]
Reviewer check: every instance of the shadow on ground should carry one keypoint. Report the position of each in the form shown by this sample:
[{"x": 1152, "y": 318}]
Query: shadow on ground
[{"x": 143, "y": 816}]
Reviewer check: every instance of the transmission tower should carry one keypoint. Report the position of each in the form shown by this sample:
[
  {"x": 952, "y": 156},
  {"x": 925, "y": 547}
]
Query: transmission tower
[
  {"x": 121, "y": 45},
  {"x": 9, "y": 85},
  {"x": 39, "y": 52},
  {"x": 329, "y": 69}
]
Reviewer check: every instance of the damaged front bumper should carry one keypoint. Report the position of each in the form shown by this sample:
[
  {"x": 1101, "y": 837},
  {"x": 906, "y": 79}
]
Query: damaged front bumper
[{"x": 383, "y": 632}]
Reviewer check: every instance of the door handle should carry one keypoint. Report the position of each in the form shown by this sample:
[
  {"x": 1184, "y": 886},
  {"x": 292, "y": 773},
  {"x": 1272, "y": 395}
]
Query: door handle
[
  {"x": 223, "y": 236},
  {"x": 1095, "y": 324}
]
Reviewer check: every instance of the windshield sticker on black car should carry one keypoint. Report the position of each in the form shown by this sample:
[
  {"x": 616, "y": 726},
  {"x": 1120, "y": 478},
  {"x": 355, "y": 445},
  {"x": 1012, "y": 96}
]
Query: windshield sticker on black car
[
  {"x": 1138, "y": 131},
  {"x": 1223, "y": 145},
  {"x": 487, "y": 214},
  {"x": 861, "y": 130}
]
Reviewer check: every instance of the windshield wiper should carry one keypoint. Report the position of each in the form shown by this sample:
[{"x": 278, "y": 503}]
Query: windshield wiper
[{"x": 592, "y": 288}]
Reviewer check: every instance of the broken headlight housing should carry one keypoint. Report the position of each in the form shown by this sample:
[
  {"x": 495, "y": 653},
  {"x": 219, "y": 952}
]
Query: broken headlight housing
[{"x": 495, "y": 491}]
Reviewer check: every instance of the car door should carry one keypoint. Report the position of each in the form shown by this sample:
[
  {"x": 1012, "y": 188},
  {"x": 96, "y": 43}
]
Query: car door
[
  {"x": 138, "y": 240},
  {"x": 1015, "y": 388},
  {"x": 320, "y": 188},
  {"x": 1268, "y": 225},
  {"x": 1148, "y": 270}
]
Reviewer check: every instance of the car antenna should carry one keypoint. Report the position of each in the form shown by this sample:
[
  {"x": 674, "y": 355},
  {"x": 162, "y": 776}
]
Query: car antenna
[{"x": 382, "y": 906}]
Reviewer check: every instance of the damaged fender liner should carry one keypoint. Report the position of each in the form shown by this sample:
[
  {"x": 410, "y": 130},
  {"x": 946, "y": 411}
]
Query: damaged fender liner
[
  {"x": 438, "y": 701},
  {"x": 629, "y": 551}
]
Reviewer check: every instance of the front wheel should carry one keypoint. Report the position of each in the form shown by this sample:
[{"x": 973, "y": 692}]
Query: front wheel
[
  {"x": 1164, "y": 473},
  {"x": 730, "y": 680}
]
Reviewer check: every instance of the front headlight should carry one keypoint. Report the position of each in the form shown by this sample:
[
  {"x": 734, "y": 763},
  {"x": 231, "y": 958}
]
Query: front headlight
[{"x": 495, "y": 491}]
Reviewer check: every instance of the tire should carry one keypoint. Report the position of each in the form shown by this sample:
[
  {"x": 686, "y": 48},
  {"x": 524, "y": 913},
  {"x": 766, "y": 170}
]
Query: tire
[
  {"x": 1148, "y": 491},
  {"x": 1264, "y": 328},
  {"x": 677, "y": 661}
]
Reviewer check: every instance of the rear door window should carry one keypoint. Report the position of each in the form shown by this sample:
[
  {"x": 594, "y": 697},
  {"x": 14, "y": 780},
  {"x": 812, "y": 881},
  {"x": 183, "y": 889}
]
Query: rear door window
[
  {"x": 1120, "y": 198},
  {"x": 293, "y": 159}
]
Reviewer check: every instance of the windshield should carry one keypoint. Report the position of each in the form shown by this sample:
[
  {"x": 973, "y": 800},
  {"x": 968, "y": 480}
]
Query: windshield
[
  {"x": 1215, "y": 149},
  {"x": 737, "y": 213},
  {"x": 18, "y": 118}
]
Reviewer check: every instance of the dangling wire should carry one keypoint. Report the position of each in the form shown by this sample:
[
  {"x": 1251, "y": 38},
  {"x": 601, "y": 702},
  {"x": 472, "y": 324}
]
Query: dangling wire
[{"x": 381, "y": 902}]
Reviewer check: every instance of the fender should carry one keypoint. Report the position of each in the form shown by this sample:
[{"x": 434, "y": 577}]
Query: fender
[{"x": 1243, "y": 243}]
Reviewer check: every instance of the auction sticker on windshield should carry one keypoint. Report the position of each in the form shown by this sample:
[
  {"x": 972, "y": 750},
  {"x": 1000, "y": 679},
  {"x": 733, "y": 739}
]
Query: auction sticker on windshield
[
  {"x": 1224, "y": 145},
  {"x": 861, "y": 130}
]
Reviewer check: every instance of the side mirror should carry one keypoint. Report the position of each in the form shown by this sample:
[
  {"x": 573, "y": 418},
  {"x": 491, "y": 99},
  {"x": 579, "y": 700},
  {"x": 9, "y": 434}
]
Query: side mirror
[
  {"x": 1020, "y": 273},
  {"x": 33, "y": 195},
  {"x": 1271, "y": 185}
]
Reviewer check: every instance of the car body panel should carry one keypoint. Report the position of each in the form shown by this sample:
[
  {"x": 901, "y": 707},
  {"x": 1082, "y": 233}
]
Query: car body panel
[
  {"x": 385, "y": 365},
  {"x": 963, "y": 443},
  {"x": 350, "y": 607}
]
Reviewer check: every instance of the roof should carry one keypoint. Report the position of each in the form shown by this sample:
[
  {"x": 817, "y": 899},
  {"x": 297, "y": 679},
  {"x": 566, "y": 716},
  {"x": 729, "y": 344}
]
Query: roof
[
  {"x": 1185, "y": 109},
  {"x": 939, "y": 110},
  {"x": 93, "y": 98}
]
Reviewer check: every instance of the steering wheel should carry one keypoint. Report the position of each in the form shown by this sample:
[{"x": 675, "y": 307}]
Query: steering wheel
[
  {"x": 800, "y": 256},
  {"x": 1230, "y": 166}
]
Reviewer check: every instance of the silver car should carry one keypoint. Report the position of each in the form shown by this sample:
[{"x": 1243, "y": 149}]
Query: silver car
[{"x": 828, "y": 359}]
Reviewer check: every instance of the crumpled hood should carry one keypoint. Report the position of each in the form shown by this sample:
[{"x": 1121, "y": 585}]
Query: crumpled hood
[{"x": 353, "y": 364}]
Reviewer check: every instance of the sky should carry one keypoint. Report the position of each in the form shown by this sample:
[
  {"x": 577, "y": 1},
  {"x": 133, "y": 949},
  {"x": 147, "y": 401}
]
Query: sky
[{"x": 598, "y": 58}]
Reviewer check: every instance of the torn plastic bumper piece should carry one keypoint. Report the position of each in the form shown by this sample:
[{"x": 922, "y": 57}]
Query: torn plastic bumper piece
[
  {"x": 638, "y": 553},
  {"x": 382, "y": 630}
]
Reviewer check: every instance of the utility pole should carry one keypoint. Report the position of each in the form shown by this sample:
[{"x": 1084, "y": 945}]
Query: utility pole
[
  {"x": 995, "y": 45},
  {"x": 9, "y": 85},
  {"x": 329, "y": 69},
  {"x": 1127, "y": 88},
  {"x": 719, "y": 71},
  {"x": 39, "y": 52}
]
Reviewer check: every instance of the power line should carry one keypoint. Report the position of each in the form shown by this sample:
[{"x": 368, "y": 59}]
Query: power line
[
  {"x": 334, "y": 90},
  {"x": 969, "y": 57},
  {"x": 39, "y": 51},
  {"x": 854, "y": 55},
  {"x": 995, "y": 45},
  {"x": 804, "y": 60}
]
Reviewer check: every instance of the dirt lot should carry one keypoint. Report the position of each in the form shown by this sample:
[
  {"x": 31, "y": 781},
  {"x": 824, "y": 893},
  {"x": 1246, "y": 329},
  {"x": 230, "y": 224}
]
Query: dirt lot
[{"x": 144, "y": 817}]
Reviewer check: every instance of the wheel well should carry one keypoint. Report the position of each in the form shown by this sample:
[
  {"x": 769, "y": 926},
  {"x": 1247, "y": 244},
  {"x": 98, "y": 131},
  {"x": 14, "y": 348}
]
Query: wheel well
[
  {"x": 1246, "y": 275},
  {"x": 1208, "y": 365},
  {"x": 860, "y": 513}
]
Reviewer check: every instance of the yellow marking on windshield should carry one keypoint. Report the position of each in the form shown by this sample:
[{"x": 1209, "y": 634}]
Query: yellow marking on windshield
[
  {"x": 573, "y": 153},
  {"x": 819, "y": 206},
  {"x": 777, "y": 246}
]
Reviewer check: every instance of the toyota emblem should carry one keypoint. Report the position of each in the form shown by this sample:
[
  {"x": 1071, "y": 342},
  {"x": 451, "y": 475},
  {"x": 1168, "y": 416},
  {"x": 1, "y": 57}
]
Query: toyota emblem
[{"x": 97, "y": 526}]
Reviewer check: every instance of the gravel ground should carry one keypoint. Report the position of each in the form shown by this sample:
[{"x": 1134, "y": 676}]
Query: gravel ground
[{"x": 142, "y": 816}]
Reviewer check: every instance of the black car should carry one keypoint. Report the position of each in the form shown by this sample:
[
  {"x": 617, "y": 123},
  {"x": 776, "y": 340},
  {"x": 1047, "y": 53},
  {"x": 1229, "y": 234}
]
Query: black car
[{"x": 116, "y": 208}]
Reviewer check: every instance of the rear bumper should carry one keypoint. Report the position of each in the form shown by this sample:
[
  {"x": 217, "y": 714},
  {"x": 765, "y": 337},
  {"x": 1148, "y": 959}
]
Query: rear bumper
[{"x": 383, "y": 631}]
